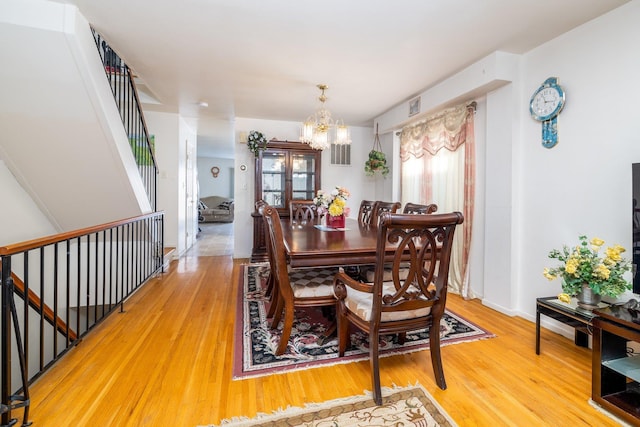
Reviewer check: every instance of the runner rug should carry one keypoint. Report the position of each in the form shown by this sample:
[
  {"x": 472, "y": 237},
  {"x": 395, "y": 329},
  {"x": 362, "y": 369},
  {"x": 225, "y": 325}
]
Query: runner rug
[
  {"x": 255, "y": 343},
  {"x": 410, "y": 406}
]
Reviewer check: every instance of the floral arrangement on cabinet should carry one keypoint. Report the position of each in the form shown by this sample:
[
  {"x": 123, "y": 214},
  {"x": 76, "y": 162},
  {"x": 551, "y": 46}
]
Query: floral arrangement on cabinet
[
  {"x": 583, "y": 265},
  {"x": 334, "y": 203},
  {"x": 256, "y": 141}
]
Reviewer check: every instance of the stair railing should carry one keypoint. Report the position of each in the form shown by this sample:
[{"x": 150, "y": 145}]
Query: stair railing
[
  {"x": 126, "y": 96},
  {"x": 68, "y": 284}
]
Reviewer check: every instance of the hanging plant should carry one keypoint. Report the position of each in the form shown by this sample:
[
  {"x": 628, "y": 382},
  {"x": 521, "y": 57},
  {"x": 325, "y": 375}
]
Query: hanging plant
[
  {"x": 377, "y": 160},
  {"x": 256, "y": 142},
  {"x": 377, "y": 163}
]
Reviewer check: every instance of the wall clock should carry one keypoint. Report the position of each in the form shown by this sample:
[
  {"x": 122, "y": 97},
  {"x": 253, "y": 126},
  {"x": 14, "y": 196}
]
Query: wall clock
[
  {"x": 215, "y": 171},
  {"x": 545, "y": 105}
]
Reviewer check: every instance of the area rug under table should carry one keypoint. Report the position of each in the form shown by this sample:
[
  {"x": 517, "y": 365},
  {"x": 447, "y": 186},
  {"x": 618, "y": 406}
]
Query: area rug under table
[
  {"x": 409, "y": 406},
  {"x": 255, "y": 343}
]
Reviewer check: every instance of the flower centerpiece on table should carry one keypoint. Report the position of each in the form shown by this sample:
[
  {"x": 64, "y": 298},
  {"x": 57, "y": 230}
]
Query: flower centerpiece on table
[
  {"x": 583, "y": 265},
  {"x": 333, "y": 203},
  {"x": 256, "y": 142}
]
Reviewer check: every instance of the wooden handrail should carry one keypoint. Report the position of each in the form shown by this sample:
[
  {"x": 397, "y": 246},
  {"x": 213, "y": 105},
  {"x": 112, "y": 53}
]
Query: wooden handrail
[
  {"x": 61, "y": 237},
  {"x": 35, "y": 303}
]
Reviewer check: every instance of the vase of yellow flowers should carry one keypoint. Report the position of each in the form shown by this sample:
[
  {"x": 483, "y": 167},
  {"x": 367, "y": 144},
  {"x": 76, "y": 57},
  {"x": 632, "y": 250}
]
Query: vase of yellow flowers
[
  {"x": 586, "y": 274},
  {"x": 334, "y": 205}
]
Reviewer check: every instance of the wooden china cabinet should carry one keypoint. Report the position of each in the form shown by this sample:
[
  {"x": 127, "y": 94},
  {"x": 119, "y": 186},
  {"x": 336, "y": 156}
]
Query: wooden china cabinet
[{"x": 285, "y": 171}]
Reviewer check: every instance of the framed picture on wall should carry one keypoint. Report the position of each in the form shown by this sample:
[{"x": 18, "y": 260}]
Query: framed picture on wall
[{"x": 414, "y": 106}]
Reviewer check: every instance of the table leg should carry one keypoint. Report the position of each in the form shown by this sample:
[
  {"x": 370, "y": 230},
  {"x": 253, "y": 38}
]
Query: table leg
[
  {"x": 537, "y": 330},
  {"x": 331, "y": 329},
  {"x": 328, "y": 335},
  {"x": 581, "y": 338}
]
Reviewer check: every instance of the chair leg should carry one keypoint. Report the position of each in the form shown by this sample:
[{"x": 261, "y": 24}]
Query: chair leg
[
  {"x": 286, "y": 330},
  {"x": 436, "y": 359},
  {"x": 375, "y": 366},
  {"x": 402, "y": 338},
  {"x": 343, "y": 332},
  {"x": 269, "y": 285},
  {"x": 275, "y": 296},
  {"x": 277, "y": 311}
]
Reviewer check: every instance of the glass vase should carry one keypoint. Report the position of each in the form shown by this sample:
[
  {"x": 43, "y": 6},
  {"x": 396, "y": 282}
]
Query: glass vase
[
  {"x": 335, "y": 221},
  {"x": 587, "y": 299}
]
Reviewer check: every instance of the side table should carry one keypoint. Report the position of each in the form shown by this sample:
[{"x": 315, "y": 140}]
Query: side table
[
  {"x": 616, "y": 370},
  {"x": 567, "y": 313}
]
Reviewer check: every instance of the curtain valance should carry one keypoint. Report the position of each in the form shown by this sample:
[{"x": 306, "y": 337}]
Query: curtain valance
[{"x": 445, "y": 129}]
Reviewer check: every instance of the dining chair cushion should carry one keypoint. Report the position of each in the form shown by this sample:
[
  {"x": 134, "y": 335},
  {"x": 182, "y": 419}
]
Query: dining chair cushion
[
  {"x": 360, "y": 303},
  {"x": 312, "y": 282}
]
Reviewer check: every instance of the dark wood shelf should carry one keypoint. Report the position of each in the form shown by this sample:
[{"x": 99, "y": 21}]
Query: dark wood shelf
[
  {"x": 615, "y": 374},
  {"x": 289, "y": 154}
]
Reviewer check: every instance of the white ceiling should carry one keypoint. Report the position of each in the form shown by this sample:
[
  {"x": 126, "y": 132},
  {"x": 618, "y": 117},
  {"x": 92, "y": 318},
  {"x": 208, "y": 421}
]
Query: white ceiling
[{"x": 263, "y": 59}]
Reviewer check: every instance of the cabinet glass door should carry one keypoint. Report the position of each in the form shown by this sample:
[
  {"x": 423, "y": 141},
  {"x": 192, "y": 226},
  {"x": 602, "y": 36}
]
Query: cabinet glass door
[
  {"x": 273, "y": 178},
  {"x": 303, "y": 169}
]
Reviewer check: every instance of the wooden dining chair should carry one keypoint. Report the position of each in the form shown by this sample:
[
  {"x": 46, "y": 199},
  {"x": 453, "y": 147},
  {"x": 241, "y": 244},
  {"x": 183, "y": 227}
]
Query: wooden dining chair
[
  {"x": 416, "y": 209},
  {"x": 365, "y": 211},
  {"x": 307, "y": 287},
  {"x": 302, "y": 212},
  {"x": 271, "y": 290},
  {"x": 269, "y": 284},
  {"x": 379, "y": 207},
  {"x": 423, "y": 242}
]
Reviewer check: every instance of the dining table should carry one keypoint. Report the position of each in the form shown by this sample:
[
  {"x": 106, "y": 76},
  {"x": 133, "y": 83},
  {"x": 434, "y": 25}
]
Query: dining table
[{"x": 315, "y": 245}]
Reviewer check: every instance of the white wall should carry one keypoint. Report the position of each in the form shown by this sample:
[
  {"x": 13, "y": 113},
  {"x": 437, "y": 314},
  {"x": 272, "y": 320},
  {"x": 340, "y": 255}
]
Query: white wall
[
  {"x": 351, "y": 177},
  {"x": 498, "y": 290},
  {"x": 174, "y": 138},
  {"x": 20, "y": 218},
  {"x": 223, "y": 185},
  {"x": 187, "y": 185},
  {"x": 60, "y": 126},
  {"x": 537, "y": 199},
  {"x": 583, "y": 185}
]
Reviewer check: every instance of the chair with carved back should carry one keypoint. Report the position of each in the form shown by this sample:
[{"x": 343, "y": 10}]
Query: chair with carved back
[
  {"x": 271, "y": 290},
  {"x": 308, "y": 287},
  {"x": 258, "y": 205},
  {"x": 379, "y": 207},
  {"x": 416, "y": 209},
  {"x": 302, "y": 212},
  {"x": 365, "y": 211},
  {"x": 423, "y": 242},
  {"x": 366, "y": 271}
]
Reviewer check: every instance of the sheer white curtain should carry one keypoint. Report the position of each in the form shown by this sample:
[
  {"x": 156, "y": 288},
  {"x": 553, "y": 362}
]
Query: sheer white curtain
[{"x": 438, "y": 167}]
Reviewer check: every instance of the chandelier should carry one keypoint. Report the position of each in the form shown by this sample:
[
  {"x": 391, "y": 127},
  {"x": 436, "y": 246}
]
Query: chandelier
[{"x": 319, "y": 128}]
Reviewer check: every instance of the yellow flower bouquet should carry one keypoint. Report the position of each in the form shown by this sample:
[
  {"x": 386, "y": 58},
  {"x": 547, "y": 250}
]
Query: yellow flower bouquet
[
  {"x": 334, "y": 203},
  {"x": 583, "y": 265}
]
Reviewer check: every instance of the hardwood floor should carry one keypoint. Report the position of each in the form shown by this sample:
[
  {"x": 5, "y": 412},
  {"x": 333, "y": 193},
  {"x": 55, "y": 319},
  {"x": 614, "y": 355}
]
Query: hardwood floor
[{"x": 166, "y": 361}]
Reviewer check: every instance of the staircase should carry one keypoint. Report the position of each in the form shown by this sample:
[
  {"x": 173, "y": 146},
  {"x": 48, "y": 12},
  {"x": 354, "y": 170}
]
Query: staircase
[
  {"x": 61, "y": 128},
  {"x": 82, "y": 159}
]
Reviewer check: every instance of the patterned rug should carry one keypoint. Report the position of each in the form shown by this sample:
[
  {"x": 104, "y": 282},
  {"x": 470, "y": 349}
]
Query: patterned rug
[
  {"x": 409, "y": 406},
  {"x": 255, "y": 343}
]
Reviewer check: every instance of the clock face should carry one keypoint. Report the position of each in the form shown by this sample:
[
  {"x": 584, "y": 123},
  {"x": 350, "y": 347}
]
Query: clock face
[{"x": 546, "y": 102}]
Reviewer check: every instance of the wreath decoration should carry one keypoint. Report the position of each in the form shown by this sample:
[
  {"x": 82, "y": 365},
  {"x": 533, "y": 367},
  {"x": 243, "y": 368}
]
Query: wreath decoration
[{"x": 256, "y": 141}]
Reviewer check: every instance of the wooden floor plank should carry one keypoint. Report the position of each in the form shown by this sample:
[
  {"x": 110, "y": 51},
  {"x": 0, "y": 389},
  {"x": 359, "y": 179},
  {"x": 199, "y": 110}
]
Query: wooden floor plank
[{"x": 167, "y": 360}]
